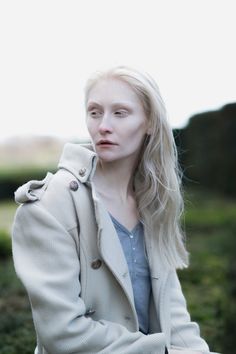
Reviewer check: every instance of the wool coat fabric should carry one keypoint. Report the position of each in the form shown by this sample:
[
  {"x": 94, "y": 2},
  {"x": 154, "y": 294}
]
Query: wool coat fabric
[{"x": 69, "y": 258}]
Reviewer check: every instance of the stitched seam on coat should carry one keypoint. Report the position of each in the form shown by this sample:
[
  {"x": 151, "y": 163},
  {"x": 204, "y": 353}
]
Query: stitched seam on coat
[
  {"x": 180, "y": 336},
  {"x": 73, "y": 228}
]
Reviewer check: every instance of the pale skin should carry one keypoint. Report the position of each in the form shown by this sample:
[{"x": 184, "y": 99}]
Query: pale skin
[
  {"x": 116, "y": 114},
  {"x": 118, "y": 126}
]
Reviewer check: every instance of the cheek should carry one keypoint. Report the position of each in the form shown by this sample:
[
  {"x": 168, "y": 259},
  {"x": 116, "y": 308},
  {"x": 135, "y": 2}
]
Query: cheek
[
  {"x": 138, "y": 130},
  {"x": 91, "y": 127}
]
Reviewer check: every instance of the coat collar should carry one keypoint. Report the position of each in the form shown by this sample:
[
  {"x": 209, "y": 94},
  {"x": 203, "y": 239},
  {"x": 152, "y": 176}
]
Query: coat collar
[{"x": 80, "y": 160}]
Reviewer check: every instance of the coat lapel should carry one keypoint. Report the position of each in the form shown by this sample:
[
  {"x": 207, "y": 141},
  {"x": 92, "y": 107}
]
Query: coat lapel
[{"x": 111, "y": 249}]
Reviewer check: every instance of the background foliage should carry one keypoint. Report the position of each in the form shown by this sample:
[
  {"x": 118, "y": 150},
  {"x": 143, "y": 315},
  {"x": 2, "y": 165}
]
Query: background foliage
[{"x": 207, "y": 149}]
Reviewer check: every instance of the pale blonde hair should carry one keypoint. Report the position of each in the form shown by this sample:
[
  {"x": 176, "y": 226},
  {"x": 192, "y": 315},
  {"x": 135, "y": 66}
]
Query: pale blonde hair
[{"x": 157, "y": 180}]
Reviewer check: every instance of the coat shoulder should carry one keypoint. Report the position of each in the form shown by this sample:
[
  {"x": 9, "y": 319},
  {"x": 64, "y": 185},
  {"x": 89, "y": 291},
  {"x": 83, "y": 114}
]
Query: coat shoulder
[{"x": 54, "y": 193}]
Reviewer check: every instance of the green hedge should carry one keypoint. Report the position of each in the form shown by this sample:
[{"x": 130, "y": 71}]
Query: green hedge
[
  {"x": 5, "y": 244},
  {"x": 11, "y": 179},
  {"x": 207, "y": 149}
]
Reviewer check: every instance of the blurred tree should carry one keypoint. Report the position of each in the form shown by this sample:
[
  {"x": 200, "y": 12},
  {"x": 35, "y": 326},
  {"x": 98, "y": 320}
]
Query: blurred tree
[{"x": 207, "y": 149}]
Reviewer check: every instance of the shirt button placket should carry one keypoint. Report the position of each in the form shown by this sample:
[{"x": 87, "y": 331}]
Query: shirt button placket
[{"x": 133, "y": 248}]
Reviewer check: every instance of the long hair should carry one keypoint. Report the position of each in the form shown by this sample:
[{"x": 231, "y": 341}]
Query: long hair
[{"x": 157, "y": 182}]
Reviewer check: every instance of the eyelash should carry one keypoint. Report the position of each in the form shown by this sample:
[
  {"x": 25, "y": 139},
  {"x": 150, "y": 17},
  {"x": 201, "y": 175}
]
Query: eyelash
[
  {"x": 121, "y": 113},
  {"x": 95, "y": 113}
]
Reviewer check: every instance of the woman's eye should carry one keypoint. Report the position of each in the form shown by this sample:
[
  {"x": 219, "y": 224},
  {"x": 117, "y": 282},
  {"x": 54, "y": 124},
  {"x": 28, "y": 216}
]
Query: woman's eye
[
  {"x": 121, "y": 113},
  {"x": 95, "y": 114}
]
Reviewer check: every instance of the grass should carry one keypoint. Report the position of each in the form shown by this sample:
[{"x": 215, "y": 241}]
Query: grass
[
  {"x": 206, "y": 210},
  {"x": 210, "y": 223},
  {"x": 208, "y": 284},
  {"x": 16, "y": 327},
  {"x": 204, "y": 284}
]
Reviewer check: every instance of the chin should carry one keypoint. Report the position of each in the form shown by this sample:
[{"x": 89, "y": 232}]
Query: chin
[{"x": 106, "y": 157}]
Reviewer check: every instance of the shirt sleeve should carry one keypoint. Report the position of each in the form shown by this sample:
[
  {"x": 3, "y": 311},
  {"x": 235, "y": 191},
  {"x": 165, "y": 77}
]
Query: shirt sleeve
[{"x": 46, "y": 261}]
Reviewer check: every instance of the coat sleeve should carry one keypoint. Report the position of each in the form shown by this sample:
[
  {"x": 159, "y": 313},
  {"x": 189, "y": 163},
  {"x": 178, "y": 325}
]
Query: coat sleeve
[
  {"x": 47, "y": 263},
  {"x": 184, "y": 332}
]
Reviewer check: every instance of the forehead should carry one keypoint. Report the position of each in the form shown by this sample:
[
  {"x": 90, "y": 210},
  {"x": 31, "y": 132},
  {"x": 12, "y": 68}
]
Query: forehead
[{"x": 112, "y": 90}]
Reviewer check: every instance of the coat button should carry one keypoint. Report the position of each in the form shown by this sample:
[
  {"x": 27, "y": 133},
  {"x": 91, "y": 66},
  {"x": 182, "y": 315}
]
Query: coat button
[
  {"x": 74, "y": 185},
  {"x": 82, "y": 171},
  {"x": 90, "y": 312},
  {"x": 96, "y": 264}
]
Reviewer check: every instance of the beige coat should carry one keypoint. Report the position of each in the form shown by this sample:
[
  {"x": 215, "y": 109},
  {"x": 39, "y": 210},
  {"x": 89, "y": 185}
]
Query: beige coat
[{"x": 69, "y": 258}]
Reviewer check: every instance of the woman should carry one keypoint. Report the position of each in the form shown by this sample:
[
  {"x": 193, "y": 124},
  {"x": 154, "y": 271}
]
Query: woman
[{"x": 97, "y": 244}]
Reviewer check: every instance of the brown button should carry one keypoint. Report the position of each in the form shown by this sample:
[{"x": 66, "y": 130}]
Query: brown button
[
  {"x": 96, "y": 264},
  {"x": 74, "y": 185},
  {"x": 82, "y": 171}
]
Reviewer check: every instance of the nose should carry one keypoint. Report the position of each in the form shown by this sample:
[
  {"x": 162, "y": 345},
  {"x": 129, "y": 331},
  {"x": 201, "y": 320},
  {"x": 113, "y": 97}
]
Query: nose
[{"x": 105, "y": 125}]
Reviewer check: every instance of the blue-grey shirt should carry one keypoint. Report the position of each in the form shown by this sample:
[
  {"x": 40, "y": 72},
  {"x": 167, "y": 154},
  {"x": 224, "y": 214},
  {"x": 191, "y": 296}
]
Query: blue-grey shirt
[{"x": 134, "y": 249}]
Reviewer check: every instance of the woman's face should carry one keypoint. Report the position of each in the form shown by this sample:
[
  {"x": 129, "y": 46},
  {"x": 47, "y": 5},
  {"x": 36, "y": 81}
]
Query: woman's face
[{"x": 116, "y": 120}]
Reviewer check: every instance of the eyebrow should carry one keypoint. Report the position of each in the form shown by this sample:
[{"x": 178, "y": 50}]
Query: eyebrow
[
  {"x": 93, "y": 104},
  {"x": 114, "y": 105}
]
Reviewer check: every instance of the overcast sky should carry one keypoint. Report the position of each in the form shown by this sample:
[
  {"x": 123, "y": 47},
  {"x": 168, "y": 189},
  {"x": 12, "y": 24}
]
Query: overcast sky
[{"x": 49, "y": 48}]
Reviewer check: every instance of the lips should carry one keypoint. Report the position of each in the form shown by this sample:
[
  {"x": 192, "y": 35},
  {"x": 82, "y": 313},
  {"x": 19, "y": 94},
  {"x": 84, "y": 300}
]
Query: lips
[{"x": 105, "y": 142}]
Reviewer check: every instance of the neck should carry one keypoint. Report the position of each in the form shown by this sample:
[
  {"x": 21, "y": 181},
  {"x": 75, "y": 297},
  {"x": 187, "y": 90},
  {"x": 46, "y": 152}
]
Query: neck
[{"x": 114, "y": 179}]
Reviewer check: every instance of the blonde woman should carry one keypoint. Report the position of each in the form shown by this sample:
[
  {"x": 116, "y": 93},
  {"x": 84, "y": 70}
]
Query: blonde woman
[{"x": 98, "y": 243}]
